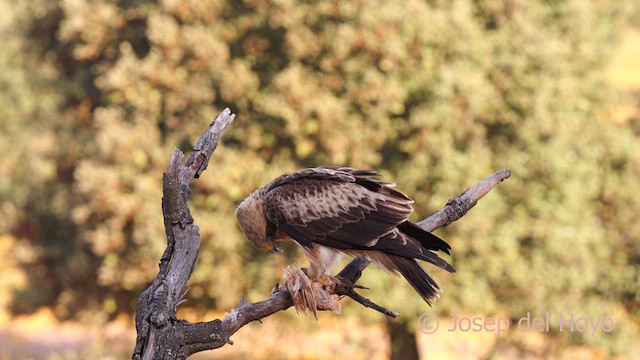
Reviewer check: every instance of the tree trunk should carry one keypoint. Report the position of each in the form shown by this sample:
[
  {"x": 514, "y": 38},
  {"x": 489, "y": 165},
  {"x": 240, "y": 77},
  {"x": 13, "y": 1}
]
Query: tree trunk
[{"x": 403, "y": 340}]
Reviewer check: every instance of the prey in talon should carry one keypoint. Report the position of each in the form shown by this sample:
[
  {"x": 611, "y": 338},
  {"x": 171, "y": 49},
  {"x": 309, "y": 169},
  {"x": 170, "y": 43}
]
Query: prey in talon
[{"x": 330, "y": 211}]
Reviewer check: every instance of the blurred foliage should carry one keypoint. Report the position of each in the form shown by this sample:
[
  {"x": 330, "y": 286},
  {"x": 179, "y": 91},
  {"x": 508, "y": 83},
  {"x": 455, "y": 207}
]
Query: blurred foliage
[{"x": 433, "y": 94}]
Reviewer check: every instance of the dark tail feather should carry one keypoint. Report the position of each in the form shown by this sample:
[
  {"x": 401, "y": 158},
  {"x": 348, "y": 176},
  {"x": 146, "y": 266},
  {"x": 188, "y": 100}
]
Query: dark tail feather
[
  {"x": 417, "y": 277},
  {"x": 434, "y": 259},
  {"x": 427, "y": 239},
  {"x": 416, "y": 244}
]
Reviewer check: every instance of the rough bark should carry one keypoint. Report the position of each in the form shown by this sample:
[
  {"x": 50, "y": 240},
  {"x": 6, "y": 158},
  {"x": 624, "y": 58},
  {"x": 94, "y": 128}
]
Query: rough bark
[{"x": 160, "y": 334}]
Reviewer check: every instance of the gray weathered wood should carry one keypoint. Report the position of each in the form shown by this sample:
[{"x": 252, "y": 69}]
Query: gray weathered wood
[{"x": 161, "y": 335}]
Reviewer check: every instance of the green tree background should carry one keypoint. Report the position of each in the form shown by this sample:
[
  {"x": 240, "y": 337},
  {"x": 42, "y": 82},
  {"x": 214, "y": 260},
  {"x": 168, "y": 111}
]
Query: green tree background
[{"x": 433, "y": 94}]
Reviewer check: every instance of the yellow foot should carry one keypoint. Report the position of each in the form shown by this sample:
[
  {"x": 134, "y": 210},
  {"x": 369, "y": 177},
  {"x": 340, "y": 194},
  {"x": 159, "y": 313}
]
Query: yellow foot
[{"x": 326, "y": 280}]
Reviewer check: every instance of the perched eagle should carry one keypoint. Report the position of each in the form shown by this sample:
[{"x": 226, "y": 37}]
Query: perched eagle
[{"x": 333, "y": 210}]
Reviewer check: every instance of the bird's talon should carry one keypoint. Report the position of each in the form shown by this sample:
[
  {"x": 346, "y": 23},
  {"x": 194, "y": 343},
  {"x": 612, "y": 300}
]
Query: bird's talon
[{"x": 326, "y": 280}]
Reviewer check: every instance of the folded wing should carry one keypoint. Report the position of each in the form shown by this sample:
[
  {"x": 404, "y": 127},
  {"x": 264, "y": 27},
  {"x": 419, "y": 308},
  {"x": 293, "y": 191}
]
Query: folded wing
[{"x": 350, "y": 210}]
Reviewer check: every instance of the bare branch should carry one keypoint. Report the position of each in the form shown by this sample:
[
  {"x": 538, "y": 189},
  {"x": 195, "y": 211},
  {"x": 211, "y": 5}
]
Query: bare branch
[
  {"x": 248, "y": 312},
  {"x": 280, "y": 299},
  {"x": 459, "y": 205},
  {"x": 161, "y": 335},
  {"x": 156, "y": 308}
]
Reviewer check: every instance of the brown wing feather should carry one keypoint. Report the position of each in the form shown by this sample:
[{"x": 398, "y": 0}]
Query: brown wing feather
[
  {"x": 346, "y": 208},
  {"x": 325, "y": 204}
]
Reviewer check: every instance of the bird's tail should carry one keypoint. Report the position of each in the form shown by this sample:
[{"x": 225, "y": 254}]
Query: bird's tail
[
  {"x": 416, "y": 276},
  {"x": 427, "y": 240},
  {"x": 400, "y": 257}
]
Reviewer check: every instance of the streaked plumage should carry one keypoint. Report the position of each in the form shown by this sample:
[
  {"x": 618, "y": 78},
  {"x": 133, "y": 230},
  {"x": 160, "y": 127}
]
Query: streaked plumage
[{"x": 330, "y": 210}]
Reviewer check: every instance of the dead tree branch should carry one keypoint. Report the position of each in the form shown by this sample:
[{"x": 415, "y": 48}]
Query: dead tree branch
[{"x": 160, "y": 334}]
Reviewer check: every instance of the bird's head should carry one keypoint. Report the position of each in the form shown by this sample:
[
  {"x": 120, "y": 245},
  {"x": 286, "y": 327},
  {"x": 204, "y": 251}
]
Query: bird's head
[{"x": 254, "y": 223}]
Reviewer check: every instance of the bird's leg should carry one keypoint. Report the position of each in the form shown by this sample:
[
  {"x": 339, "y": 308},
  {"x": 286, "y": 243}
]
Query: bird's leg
[
  {"x": 327, "y": 280},
  {"x": 337, "y": 284},
  {"x": 320, "y": 276}
]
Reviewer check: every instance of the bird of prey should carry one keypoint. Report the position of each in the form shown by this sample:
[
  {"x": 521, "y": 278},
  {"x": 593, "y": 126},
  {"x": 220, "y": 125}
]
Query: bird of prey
[{"x": 329, "y": 211}]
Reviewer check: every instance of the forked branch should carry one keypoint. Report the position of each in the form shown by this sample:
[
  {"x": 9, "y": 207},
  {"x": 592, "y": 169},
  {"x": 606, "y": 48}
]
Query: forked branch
[{"x": 160, "y": 334}]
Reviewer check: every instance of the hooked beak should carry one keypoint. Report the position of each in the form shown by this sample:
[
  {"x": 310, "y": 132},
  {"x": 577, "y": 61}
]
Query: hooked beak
[{"x": 275, "y": 249}]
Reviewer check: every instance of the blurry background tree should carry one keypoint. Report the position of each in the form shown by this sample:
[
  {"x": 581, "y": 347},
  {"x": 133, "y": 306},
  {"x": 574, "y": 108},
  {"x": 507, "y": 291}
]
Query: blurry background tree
[{"x": 433, "y": 94}]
